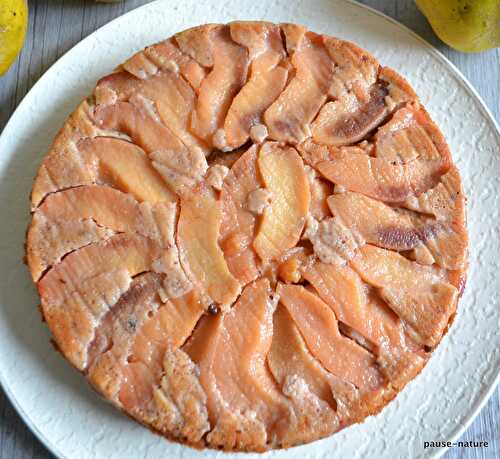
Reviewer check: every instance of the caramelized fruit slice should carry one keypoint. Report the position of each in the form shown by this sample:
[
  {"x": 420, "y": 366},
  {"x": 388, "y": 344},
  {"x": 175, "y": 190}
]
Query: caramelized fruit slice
[
  {"x": 376, "y": 222},
  {"x": 284, "y": 176},
  {"x": 181, "y": 400},
  {"x": 401, "y": 230},
  {"x": 409, "y": 135},
  {"x": 49, "y": 242},
  {"x": 169, "y": 327},
  {"x": 229, "y": 64},
  {"x": 115, "y": 334},
  {"x": 344, "y": 122},
  {"x": 78, "y": 291},
  {"x": 181, "y": 168},
  {"x": 64, "y": 166},
  {"x": 266, "y": 82},
  {"x": 378, "y": 178},
  {"x": 446, "y": 202},
  {"x": 108, "y": 160},
  {"x": 233, "y": 373},
  {"x": 126, "y": 167},
  {"x": 238, "y": 223},
  {"x": 359, "y": 102},
  {"x": 165, "y": 96},
  {"x": 290, "y": 359},
  {"x": 134, "y": 355},
  {"x": 355, "y": 70},
  {"x": 201, "y": 256},
  {"x": 418, "y": 294},
  {"x": 288, "y": 118},
  {"x": 167, "y": 56},
  {"x": 153, "y": 60},
  {"x": 317, "y": 323},
  {"x": 368, "y": 320},
  {"x": 289, "y": 356},
  {"x": 342, "y": 289},
  {"x": 75, "y": 217}
]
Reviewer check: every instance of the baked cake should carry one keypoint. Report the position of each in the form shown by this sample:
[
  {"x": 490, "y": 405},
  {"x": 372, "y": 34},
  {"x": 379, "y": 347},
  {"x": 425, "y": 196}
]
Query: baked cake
[{"x": 249, "y": 236}]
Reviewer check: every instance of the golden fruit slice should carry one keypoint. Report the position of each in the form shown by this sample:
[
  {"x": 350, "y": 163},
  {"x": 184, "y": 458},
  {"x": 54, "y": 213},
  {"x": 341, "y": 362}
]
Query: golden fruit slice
[
  {"x": 64, "y": 166},
  {"x": 355, "y": 70},
  {"x": 103, "y": 160},
  {"x": 159, "y": 58},
  {"x": 318, "y": 325},
  {"x": 446, "y": 202},
  {"x": 233, "y": 371},
  {"x": 126, "y": 167},
  {"x": 197, "y": 43},
  {"x": 294, "y": 34},
  {"x": 364, "y": 317},
  {"x": 115, "y": 334},
  {"x": 289, "y": 356},
  {"x": 289, "y": 359},
  {"x": 440, "y": 241},
  {"x": 180, "y": 167},
  {"x": 400, "y": 92},
  {"x": 141, "y": 125},
  {"x": 169, "y": 327},
  {"x": 228, "y": 75},
  {"x": 166, "y": 96},
  {"x": 342, "y": 289},
  {"x": 379, "y": 178},
  {"x": 283, "y": 173},
  {"x": 380, "y": 224},
  {"x": 238, "y": 223},
  {"x": 167, "y": 56},
  {"x": 134, "y": 353},
  {"x": 288, "y": 118},
  {"x": 358, "y": 104},
  {"x": 180, "y": 399},
  {"x": 78, "y": 291},
  {"x": 63, "y": 221},
  {"x": 201, "y": 256},
  {"x": 418, "y": 294},
  {"x": 409, "y": 135},
  {"x": 346, "y": 121},
  {"x": 266, "y": 81}
]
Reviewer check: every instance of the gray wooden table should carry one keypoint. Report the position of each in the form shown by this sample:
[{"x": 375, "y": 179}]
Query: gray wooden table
[{"x": 56, "y": 25}]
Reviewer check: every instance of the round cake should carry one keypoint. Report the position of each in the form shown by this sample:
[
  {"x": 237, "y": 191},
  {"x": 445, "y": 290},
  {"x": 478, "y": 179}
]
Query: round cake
[{"x": 249, "y": 236}]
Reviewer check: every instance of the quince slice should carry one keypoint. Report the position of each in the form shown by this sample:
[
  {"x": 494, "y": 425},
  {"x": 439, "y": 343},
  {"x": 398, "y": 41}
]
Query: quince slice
[
  {"x": 284, "y": 175},
  {"x": 200, "y": 254}
]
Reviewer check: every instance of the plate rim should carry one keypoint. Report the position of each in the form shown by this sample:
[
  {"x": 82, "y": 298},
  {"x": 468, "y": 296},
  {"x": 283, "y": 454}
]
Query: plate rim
[{"x": 485, "y": 395}]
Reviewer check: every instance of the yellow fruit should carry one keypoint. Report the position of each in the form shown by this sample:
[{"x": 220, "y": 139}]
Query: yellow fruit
[
  {"x": 466, "y": 25},
  {"x": 13, "y": 24}
]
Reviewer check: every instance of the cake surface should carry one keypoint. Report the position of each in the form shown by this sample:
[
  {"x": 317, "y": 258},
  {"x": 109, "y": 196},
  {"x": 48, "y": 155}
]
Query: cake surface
[{"x": 249, "y": 236}]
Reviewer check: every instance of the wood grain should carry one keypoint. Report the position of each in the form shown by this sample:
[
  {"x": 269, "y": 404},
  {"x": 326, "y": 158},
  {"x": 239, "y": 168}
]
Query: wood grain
[{"x": 57, "y": 25}]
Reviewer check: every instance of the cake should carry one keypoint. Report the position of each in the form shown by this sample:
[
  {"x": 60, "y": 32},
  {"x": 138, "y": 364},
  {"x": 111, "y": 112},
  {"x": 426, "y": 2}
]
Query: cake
[{"x": 250, "y": 236}]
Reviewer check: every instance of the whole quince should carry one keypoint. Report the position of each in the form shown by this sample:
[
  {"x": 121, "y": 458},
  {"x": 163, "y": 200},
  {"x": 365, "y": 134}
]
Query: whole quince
[
  {"x": 466, "y": 25},
  {"x": 13, "y": 24}
]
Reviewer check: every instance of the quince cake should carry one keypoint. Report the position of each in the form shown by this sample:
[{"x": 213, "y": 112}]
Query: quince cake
[{"x": 249, "y": 236}]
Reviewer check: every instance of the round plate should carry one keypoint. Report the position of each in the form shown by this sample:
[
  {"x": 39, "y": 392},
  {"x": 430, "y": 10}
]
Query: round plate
[{"x": 55, "y": 401}]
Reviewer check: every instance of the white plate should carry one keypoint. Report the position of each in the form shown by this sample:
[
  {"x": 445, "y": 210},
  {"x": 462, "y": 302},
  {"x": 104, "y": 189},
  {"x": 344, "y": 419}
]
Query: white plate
[{"x": 60, "y": 407}]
